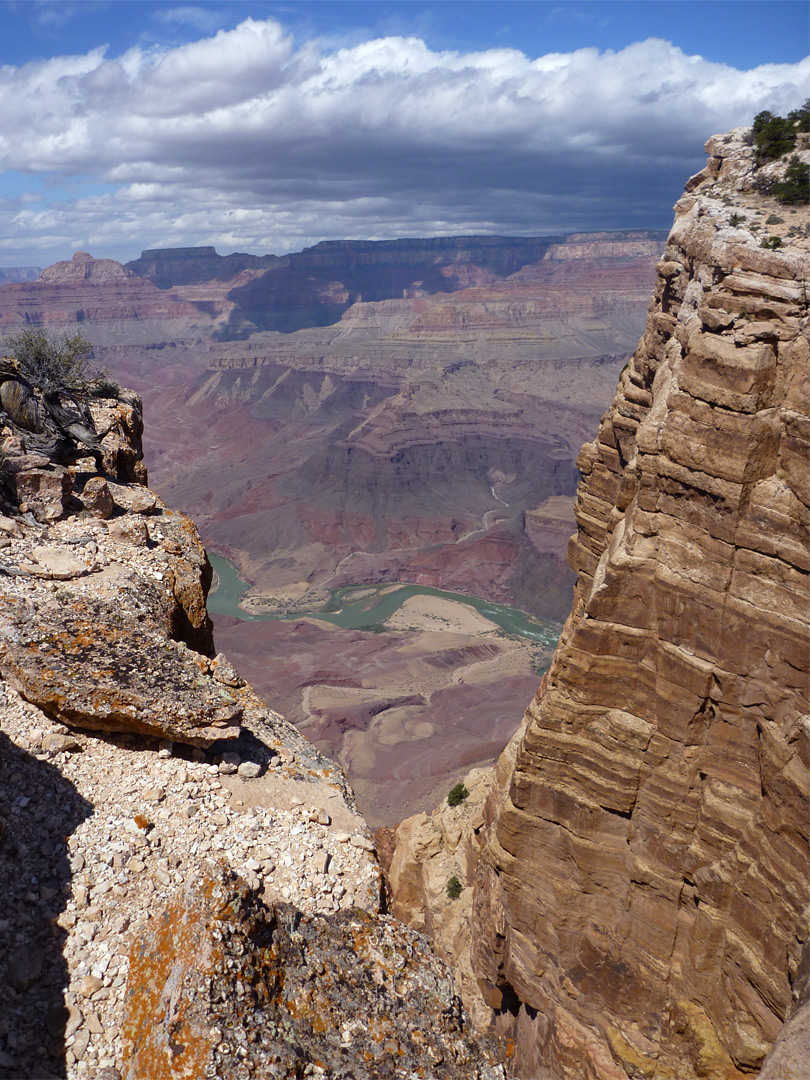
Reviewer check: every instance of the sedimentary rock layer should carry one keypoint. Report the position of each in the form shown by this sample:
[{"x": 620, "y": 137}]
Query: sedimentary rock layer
[
  {"x": 640, "y": 868},
  {"x": 85, "y": 290},
  {"x": 315, "y": 286},
  {"x": 642, "y": 895}
]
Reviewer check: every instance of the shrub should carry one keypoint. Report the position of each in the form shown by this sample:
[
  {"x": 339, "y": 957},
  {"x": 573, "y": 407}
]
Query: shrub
[
  {"x": 772, "y": 242},
  {"x": 736, "y": 219},
  {"x": 773, "y": 219},
  {"x": 453, "y": 887},
  {"x": 104, "y": 387},
  {"x": 794, "y": 187},
  {"x": 46, "y": 359},
  {"x": 457, "y": 794},
  {"x": 773, "y": 135}
]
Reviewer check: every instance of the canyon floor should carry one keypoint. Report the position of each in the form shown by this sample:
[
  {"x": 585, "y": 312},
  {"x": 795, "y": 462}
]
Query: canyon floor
[{"x": 407, "y": 711}]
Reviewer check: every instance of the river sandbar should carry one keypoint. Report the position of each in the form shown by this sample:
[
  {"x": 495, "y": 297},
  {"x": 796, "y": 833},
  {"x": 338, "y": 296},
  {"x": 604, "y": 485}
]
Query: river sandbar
[{"x": 437, "y": 613}]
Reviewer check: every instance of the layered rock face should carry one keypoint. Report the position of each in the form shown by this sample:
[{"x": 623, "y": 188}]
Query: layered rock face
[
  {"x": 644, "y": 882},
  {"x": 641, "y": 876},
  {"x": 95, "y": 292},
  {"x": 314, "y": 287}
]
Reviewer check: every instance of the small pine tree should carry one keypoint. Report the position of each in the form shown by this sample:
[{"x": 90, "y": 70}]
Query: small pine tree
[{"x": 454, "y": 887}]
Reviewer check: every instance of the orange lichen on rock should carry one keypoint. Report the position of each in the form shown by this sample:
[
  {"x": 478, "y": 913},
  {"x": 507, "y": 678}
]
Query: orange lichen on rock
[{"x": 223, "y": 985}]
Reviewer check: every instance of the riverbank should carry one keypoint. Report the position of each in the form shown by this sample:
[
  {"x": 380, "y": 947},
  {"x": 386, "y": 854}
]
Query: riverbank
[
  {"x": 407, "y": 687},
  {"x": 392, "y": 606}
]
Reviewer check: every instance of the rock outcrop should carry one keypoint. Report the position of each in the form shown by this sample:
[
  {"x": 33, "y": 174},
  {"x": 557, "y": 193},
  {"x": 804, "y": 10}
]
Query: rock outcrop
[
  {"x": 98, "y": 293},
  {"x": 188, "y": 888},
  {"x": 274, "y": 992},
  {"x": 642, "y": 876}
]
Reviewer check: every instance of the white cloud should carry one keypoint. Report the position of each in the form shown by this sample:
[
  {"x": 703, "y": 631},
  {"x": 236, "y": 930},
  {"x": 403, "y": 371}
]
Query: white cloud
[
  {"x": 244, "y": 139},
  {"x": 203, "y": 19}
]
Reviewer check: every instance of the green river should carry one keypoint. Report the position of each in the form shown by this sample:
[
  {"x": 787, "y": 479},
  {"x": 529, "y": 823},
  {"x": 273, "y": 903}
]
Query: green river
[{"x": 362, "y": 607}]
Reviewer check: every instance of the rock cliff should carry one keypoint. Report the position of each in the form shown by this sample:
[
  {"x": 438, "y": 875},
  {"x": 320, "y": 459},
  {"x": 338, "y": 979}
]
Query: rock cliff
[
  {"x": 314, "y": 287},
  {"x": 99, "y": 293},
  {"x": 188, "y": 888},
  {"x": 640, "y": 868}
]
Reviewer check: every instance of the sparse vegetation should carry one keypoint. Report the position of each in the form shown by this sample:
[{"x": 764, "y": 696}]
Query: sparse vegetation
[
  {"x": 453, "y": 888},
  {"x": 46, "y": 359},
  {"x": 104, "y": 387},
  {"x": 774, "y": 219},
  {"x": 457, "y": 794},
  {"x": 772, "y": 242},
  {"x": 735, "y": 220},
  {"x": 794, "y": 187},
  {"x": 774, "y": 136}
]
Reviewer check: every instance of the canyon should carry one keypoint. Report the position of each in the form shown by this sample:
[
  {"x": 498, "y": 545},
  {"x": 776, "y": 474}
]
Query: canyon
[
  {"x": 427, "y": 434},
  {"x": 625, "y": 893},
  {"x": 635, "y": 870}
]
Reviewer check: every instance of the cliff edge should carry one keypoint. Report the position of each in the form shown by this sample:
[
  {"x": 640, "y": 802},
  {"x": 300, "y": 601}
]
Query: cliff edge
[
  {"x": 638, "y": 878},
  {"x": 188, "y": 887}
]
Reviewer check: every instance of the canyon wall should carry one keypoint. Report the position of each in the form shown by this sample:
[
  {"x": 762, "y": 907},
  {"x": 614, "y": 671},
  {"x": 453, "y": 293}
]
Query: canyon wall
[
  {"x": 643, "y": 886},
  {"x": 638, "y": 878},
  {"x": 314, "y": 287}
]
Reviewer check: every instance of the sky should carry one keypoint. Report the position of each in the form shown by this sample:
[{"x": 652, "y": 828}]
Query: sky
[{"x": 266, "y": 127}]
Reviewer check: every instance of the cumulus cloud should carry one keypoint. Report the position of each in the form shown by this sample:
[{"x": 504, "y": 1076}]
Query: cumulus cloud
[{"x": 246, "y": 140}]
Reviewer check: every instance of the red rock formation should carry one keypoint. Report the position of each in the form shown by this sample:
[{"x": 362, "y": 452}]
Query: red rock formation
[
  {"x": 642, "y": 872},
  {"x": 642, "y": 894},
  {"x": 88, "y": 291}
]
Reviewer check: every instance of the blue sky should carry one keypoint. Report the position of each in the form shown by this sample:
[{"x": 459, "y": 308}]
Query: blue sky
[
  {"x": 267, "y": 126},
  {"x": 743, "y": 33}
]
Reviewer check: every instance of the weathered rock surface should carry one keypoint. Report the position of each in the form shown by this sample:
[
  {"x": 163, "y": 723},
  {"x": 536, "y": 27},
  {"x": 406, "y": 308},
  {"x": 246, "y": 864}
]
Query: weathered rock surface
[
  {"x": 117, "y": 956},
  {"x": 642, "y": 891},
  {"x": 431, "y": 850},
  {"x": 120, "y": 645},
  {"x": 244, "y": 989}
]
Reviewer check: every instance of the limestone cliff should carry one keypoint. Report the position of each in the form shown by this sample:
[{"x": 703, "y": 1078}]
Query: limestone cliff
[
  {"x": 188, "y": 888},
  {"x": 641, "y": 875}
]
